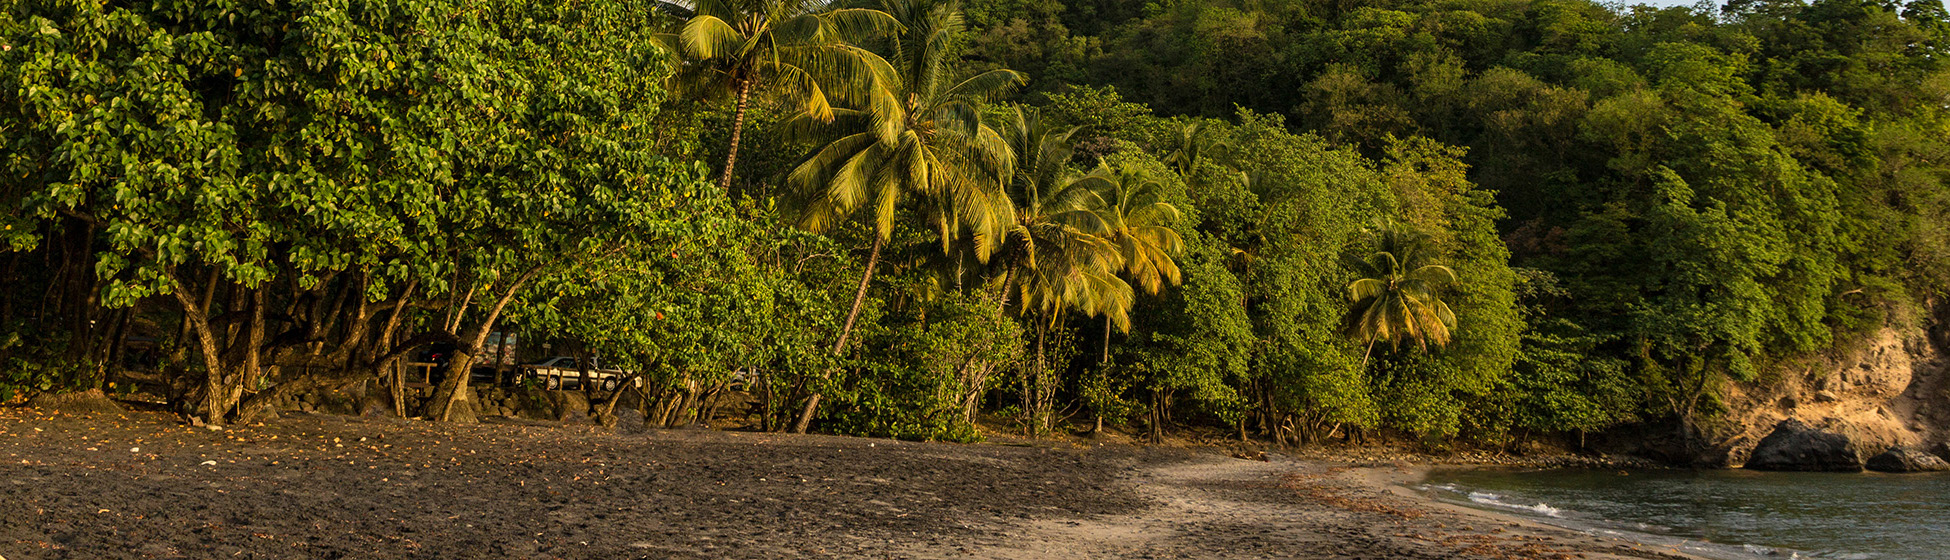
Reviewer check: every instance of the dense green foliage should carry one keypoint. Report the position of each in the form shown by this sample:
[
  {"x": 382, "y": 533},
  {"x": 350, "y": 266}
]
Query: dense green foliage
[{"x": 1290, "y": 218}]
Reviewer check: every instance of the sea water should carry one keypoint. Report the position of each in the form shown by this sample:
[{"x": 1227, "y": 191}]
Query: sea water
[{"x": 1732, "y": 514}]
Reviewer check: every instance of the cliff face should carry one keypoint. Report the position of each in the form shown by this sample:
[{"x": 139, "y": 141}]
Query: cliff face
[{"x": 1891, "y": 389}]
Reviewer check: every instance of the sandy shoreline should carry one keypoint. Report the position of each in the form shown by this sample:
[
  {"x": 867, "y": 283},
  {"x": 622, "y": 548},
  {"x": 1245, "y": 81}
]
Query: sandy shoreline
[
  {"x": 139, "y": 485},
  {"x": 1402, "y": 480}
]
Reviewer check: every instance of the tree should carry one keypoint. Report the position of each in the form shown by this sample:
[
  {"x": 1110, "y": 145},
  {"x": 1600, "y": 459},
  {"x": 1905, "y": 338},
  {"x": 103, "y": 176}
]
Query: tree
[
  {"x": 1191, "y": 144},
  {"x": 796, "y": 51},
  {"x": 1399, "y": 296},
  {"x": 1141, "y": 226},
  {"x": 930, "y": 150}
]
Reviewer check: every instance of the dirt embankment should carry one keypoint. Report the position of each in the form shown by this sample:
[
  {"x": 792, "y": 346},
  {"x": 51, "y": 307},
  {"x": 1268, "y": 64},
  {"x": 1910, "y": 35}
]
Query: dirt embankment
[
  {"x": 139, "y": 485},
  {"x": 1891, "y": 389}
]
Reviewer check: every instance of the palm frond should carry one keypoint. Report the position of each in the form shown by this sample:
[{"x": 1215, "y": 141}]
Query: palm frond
[{"x": 707, "y": 37}]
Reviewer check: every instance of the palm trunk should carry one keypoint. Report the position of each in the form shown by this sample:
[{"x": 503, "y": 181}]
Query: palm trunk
[
  {"x": 1002, "y": 301},
  {"x": 1106, "y": 339},
  {"x": 1365, "y": 356},
  {"x": 1099, "y": 428},
  {"x": 737, "y": 131},
  {"x": 1032, "y": 399},
  {"x": 839, "y": 346}
]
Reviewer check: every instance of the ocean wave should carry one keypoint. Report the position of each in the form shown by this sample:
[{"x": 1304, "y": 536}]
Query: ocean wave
[{"x": 1493, "y": 499}]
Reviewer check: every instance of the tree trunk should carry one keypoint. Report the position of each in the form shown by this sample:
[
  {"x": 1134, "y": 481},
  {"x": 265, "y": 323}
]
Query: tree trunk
[
  {"x": 253, "y": 347},
  {"x": 395, "y": 366},
  {"x": 1002, "y": 301},
  {"x": 1106, "y": 339},
  {"x": 582, "y": 369},
  {"x": 211, "y": 409},
  {"x": 1157, "y": 416},
  {"x": 737, "y": 132},
  {"x": 347, "y": 364},
  {"x": 501, "y": 359},
  {"x": 1365, "y": 356},
  {"x": 839, "y": 346},
  {"x": 454, "y": 389},
  {"x": 1034, "y": 398},
  {"x": 119, "y": 343}
]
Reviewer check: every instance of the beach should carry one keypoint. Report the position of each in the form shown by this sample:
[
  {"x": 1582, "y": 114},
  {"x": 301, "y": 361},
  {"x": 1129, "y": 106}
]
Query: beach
[{"x": 143, "y": 485}]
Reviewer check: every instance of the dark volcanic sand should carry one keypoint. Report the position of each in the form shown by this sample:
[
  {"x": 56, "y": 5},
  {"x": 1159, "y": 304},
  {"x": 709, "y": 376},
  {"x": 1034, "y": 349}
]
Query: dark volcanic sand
[{"x": 315, "y": 486}]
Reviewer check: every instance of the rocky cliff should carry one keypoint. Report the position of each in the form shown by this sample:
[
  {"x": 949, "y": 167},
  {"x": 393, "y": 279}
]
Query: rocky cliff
[{"x": 1889, "y": 389}]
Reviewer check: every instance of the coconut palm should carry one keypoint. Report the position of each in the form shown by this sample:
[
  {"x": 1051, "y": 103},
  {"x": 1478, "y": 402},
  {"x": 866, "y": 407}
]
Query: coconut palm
[
  {"x": 1193, "y": 142},
  {"x": 798, "y": 52},
  {"x": 930, "y": 151},
  {"x": 1058, "y": 254},
  {"x": 1140, "y": 225},
  {"x": 1399, "y": 297}
]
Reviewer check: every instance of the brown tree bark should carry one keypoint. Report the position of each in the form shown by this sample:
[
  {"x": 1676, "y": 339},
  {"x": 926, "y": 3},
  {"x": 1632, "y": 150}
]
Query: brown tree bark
[
  {"x": 211, "y": 409},
  {"x": 737, "y": 131},
  {"x": 839, "y": 346},
  {"x": 453, "y": 389}
]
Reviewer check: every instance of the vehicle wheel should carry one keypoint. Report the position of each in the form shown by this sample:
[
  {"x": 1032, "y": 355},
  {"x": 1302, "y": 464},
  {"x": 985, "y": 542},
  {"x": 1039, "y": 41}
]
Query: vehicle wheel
[
  {"x": 609, "y": 384},
  {"x": 554, "y": 383}
]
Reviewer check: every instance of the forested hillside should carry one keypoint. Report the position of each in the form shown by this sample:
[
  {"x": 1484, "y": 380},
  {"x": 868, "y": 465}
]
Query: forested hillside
[{"x": 1285, "y": 220}]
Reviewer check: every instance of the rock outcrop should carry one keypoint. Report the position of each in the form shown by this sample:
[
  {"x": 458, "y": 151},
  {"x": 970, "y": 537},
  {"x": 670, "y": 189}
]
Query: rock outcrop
[
  {"x": 1881, "y": 390},
  {"x": 572, "y": 407},
  {"x": 1795, "y": 446},
  {"x": 1905, "y": 459},
  {"x": 1941, "y": 451}
]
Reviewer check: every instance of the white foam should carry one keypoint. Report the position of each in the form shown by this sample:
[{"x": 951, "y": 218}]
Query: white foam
[{"x": 1490, "y": 499}]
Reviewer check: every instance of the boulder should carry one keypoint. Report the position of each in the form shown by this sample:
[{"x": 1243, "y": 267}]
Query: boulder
[
  {"x": 335, "y": 402},
  {"x": 570, "y": 406},
  {"x": 463, "y": 412},
  {"x": 1906, "y": 459},
  {"x": 1941, "y": 450},
  {"x": 623, "y": 420},
  {"x": 91, "y": 401},
  {"x": 1795, "y": 446},
  {"x": 263, "y": 413},
  {"x": 377, "y": 406}
]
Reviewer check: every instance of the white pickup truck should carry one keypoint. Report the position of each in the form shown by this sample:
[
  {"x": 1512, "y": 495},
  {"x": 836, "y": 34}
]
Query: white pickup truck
[{"x": 561, "y": 371}]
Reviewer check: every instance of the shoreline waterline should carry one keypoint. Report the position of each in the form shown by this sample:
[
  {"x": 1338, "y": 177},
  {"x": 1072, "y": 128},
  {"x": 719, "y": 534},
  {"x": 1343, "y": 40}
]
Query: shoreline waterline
[
  {"x": 1720, "y": 514},
  {"x": 1405, "y": 479}
]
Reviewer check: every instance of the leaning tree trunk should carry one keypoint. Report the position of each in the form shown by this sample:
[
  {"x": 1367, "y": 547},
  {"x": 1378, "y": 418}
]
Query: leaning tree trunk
[
  {"x": 737, "y": 131},
  {"x": 453, "y": 390},
  {"x": 839, "y": 346},
  {"x": 213, "y": 407}
]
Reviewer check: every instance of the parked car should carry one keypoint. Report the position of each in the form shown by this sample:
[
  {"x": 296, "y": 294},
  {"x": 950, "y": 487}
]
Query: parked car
[
  {"x": 560, "y": 371},
  {"x": 435, "y": 358}
]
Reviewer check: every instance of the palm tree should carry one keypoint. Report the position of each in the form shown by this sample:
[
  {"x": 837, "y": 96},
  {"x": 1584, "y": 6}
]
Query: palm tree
[
  {"x": 1399, "y": 297},
  {"x": 1058, "y": 253},
  {"x": 798, "y": 51},
  {"x": 1140, "y": 224},
  {"x": 1042, "y": 153},
  {"x": 1194, "y": 140},
  {"x": 930, "y": 149}
]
